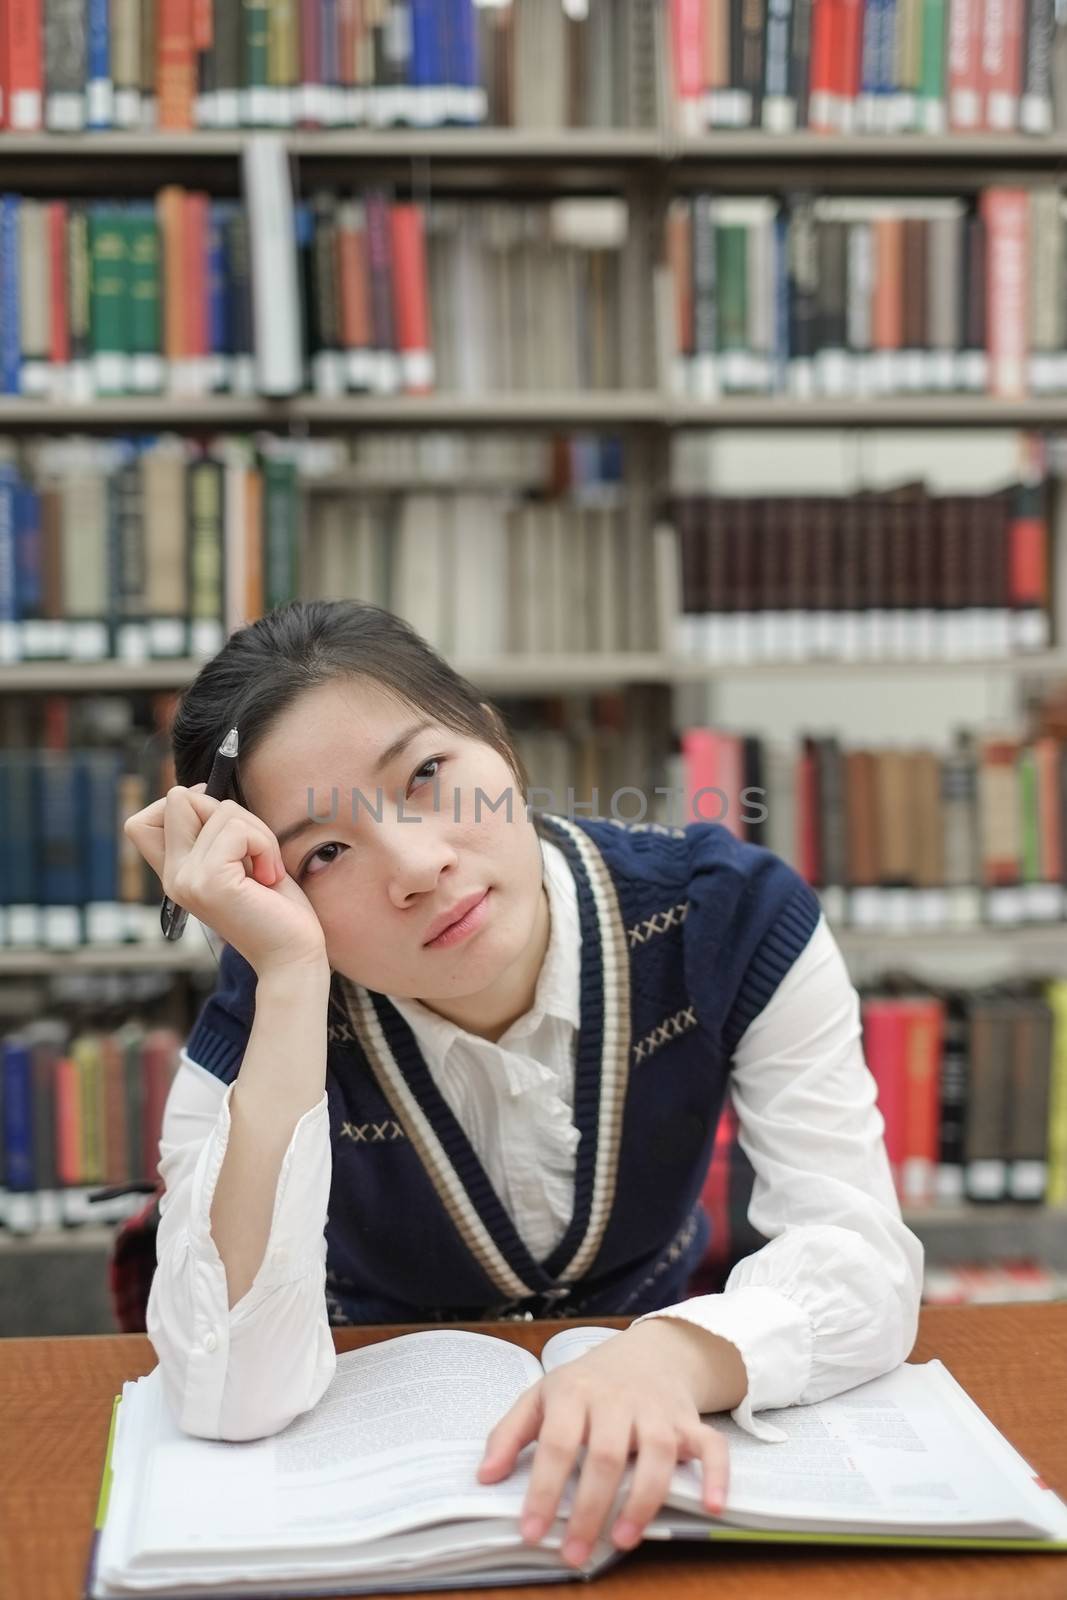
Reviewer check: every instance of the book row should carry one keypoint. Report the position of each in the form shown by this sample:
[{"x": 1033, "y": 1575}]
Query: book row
[
  {"x": 869, "y": 66},
  {"x": 133, "y": 550},
  {"x": 68, "y": 874},
  {"x": 896, "y": 837},
  {"x": 863, "y": 296},
  {"x": 182, "y": 64},
  {"x": 137, "y": 549},
  {"x": 189, "y": 295},
  {"x": 900, "y": 574},
  {"x": 1005, "y": 1282},
  {"x": 973, "y": 1093},
  {"x": 80, "y": 1110}
]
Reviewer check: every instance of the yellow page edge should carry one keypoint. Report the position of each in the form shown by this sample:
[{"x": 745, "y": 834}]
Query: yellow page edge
[
  {"x": 105, "y": 1480},
  {"x": 928, "y": 1541}
]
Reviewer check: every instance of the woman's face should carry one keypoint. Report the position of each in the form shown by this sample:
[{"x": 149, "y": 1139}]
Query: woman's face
[{"x": 379, "y": 886}]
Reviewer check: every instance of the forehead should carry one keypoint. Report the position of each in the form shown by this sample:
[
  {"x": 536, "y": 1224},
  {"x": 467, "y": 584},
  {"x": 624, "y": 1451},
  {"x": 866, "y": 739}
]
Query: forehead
[{"x": 332, "y": 735}]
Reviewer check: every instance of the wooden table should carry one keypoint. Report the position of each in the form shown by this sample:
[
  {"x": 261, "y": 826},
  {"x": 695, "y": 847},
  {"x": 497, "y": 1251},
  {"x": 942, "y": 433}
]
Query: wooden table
[{"x": 55, "y": 1404}]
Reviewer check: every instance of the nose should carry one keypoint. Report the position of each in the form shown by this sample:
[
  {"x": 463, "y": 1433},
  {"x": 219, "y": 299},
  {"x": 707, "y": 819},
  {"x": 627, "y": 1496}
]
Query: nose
[{"x": 417, "y": 856}]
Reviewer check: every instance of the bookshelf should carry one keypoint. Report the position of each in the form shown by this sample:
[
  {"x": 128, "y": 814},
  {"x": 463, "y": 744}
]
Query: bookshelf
[{"x": 646, "y": 166}]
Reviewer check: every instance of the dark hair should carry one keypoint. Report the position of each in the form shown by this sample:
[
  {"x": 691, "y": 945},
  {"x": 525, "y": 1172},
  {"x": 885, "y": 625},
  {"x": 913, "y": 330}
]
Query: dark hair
[{"x": 265, "y": 667}]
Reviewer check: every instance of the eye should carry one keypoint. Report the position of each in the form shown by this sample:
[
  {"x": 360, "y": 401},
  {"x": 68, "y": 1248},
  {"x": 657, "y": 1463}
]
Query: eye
[
  {"x": 303, "y": 872},
  {"x": 434, "y": 761}
]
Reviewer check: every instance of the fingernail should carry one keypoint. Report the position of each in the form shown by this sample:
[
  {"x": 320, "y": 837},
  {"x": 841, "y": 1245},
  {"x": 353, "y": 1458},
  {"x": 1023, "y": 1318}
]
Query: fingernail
[
  {"x": 532, "y": 1527},
  {"x": 715, "y": 1501},
  {"x": 575, "y": 1551},
  {"x": 626, "y": 1534}
]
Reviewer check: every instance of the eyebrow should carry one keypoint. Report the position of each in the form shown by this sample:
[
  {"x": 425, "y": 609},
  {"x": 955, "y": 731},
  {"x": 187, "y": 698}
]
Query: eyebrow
[{"x": 390, "y": 754}]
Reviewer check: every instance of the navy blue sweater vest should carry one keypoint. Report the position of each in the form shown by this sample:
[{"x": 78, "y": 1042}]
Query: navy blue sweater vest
[{"x": 685, "y": 935}]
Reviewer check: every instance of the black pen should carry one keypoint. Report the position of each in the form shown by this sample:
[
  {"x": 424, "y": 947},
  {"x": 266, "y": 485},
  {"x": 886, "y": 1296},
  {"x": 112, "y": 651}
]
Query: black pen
[{"x": 173, "y": 917}]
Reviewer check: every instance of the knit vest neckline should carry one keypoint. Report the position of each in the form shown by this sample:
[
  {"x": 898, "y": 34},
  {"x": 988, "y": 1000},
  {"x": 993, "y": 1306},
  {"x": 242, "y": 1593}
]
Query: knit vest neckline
[{"x": 600, "y": 1083}]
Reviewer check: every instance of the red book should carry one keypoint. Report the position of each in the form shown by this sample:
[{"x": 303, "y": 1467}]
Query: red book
[
  {"x": 823, "y": 74},
  {"x": 885, "y": 1051},
  {"x": 1047, "y": 752},
  {"x": 203, "y": 25},
  {"x": 687, "y": 59},
  {"x": 1004, "y": 213},
  {"x": 1001, "y": 65},
  {"x": 714, "y": 777},
  {"x": 807, "y": 852},
  {"x": 847, "y": 60},
  {"x": 411, "y": 299},
  {"x": 965, "y": 109},
  {"x": 24, "y": 75},
  {"x": 175, "y": 64},
  {"x": 59, "y": 352},
  {"x": 68, "y": 1122},
  {"x": 1028, "y": 568},
  {"x": 924, "y": 1022},
  {"x": 311, "y": 64},
  {"x": 159, "y": 1056}
]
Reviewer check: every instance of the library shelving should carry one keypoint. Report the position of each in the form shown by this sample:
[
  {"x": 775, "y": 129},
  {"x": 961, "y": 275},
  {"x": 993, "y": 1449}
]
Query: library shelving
[{"x": 648, "y": 167}]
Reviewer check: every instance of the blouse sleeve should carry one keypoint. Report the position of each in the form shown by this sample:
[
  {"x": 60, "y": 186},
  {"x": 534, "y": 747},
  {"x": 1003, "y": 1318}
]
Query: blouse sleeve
[
  {"x": 832, "y": 1299},
  {"x": 244, "y": 1371}
]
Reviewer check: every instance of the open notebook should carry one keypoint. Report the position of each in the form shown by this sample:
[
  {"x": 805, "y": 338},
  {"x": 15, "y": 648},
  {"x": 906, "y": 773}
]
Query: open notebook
[{"x": 376, "y": 1487}]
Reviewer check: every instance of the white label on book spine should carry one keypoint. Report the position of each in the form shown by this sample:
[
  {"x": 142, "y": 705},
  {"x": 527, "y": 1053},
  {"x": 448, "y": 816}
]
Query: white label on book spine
[
  {"x": 101, "y": 97},
  {"x": 1026, "y": 1179},
  {"x": 61, "y": 927},
  {"x": 25, "y": 110},
  {"x": 205, "y": 636},
  {"x": 167, "y": 636},
  {"x": 105, "y": 922},
  {"x": 131, "y": 642},
  {"x": 23, "y": 927},
  {"x": 985, "y": 1179},
  {"x": 948, "y": 1184},
  {"x": 127, "y": 108},
  {"x": 65, "y": 113},
  {"x": 1005, "y": 906},
  {"x": 9, "y": 642},
  {"x": 88, "y": 641}
]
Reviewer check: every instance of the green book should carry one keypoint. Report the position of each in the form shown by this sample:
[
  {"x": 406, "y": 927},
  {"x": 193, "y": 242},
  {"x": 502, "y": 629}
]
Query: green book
[
  {"x": 1029, "y": 820},
  {"x": 255, "y": 94},
  {"x": 109, "y": 300},
  {"x": 375, "y": 1486},
  {"x": 204, "y": 485},
  {"x": 731, "y": 261},
  {"x": 146, "y": 280},
  {"x": 281, "y": 566},
  {"x": 932, "y": 111}
]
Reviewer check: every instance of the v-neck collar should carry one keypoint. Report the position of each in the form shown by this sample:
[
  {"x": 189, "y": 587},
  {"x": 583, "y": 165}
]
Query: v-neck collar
[{"x": 600, "y": 1079}]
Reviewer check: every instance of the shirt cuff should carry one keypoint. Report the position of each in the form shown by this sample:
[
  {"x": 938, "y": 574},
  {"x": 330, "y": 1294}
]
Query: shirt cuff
[
  {"x": 295, "y": 1241},
  {"x": 774, "y": 1338}
]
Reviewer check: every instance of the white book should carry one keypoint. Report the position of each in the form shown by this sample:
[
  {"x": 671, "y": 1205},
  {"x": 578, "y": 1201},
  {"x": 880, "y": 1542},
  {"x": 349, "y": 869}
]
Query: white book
[
  {"x": 377, "y": 1485},
  {"x": 272, "y": 253}
]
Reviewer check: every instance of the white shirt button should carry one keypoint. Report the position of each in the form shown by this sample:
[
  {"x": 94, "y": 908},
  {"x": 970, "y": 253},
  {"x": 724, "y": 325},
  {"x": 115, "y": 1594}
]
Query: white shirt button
[{"x": 210, "y": 1341}]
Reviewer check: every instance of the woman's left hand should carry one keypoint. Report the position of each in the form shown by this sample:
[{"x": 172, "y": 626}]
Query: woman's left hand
[{"x": 640, "y": 1393}]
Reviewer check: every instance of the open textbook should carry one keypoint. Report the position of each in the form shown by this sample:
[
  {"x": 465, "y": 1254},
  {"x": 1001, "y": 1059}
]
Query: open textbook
[{"x": 376, "y": 1487}]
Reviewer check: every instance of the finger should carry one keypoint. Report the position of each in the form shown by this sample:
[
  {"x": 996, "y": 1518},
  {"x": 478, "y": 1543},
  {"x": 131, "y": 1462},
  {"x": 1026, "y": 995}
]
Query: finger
[
  {"x": 657, "y": 1457},
  {"x": 706, "y": 1445},
  {"x": 561, "y": 1436},
  {"x": 195, "y": 849},
  {"x": 233, "y": 834},
  {"x": 606, "y": 1456},
  {"x": 514, "y": 1430}
]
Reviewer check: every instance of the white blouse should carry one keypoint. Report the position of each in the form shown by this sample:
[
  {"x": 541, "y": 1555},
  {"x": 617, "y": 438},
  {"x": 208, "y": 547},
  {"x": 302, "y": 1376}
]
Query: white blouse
[{"x": 831, "y": 1300}]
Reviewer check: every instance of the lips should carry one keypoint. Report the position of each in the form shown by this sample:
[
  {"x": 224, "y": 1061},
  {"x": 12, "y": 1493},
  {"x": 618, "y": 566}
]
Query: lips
[{"x": 456, "y": 914}]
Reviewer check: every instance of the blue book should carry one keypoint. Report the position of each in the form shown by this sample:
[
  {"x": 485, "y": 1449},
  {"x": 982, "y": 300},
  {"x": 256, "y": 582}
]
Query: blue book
[
  {"x": 18, "y": 831},
  {"x": 8, "y": 561},
  {"x": 62, "y": 810},
  {"x": 18, "y": 1117},
  {"x": 466, "y": 67},
  {"x": 100, "y": 106},
  {"x": 28, "y": 592},
  {"x": 101, "y": 772},
  {"x": 10, "y": 346},
  {"x": 870, "y": 64},
  {"x": 887, "y": 71},
  {"x": 328, "y": 53},
  {"x": 217, "y": 307},
  {"x": 427, "y": 62}
]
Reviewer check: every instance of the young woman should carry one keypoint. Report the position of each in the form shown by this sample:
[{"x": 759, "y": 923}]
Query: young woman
[{"x": 467, "y": 1062}]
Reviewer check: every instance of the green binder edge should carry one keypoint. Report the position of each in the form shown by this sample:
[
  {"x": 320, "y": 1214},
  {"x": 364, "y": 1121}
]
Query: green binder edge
[{"x": 105, "y": 1480}]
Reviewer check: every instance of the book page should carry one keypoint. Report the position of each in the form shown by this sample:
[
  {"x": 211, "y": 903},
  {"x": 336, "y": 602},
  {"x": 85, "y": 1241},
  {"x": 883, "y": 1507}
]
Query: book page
[
  {"x": 895, "y": 1452},
  {"x": 395, "y": 1441},
  {"x": 571, "y": 1343}
]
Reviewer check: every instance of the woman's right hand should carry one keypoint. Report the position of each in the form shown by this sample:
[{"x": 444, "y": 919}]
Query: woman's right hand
[{"x": 223, "y": 865}]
